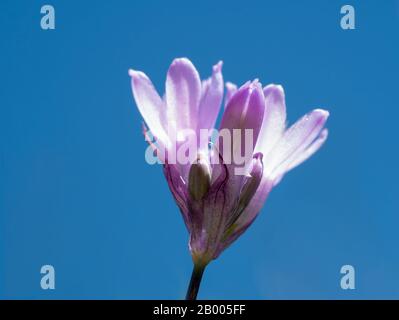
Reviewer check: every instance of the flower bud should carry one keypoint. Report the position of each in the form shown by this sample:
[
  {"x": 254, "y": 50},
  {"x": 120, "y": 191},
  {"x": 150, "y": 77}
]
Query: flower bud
[
  {"x": 252, "y": 183},
  {"x": 199, "y": 178}
]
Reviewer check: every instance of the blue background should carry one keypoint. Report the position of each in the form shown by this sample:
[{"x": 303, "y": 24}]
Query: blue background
[{"x": 76, "y": 192}]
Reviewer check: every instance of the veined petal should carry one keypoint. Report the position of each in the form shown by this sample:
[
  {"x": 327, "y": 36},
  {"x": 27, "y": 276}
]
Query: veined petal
[
  {"x": 294, "y": 141},
  {"x": 212, "y": 94},
  {"x": 149, "y": 104},
  {"x": 231, "y": 88},
  {"x": 273, "y": 125},
  {"x": 208, "y": 218},
  {"x": 179, "y": 192},
  {"x": 183, "y": 93},
  {"x": 248, "y": 216},
  {"x": 248, "y": 190}
]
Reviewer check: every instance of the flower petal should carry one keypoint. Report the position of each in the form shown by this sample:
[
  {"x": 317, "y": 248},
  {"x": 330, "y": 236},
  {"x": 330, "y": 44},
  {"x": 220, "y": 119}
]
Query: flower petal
[
  {"x": 273, "y": 125},
  {"x": 294, "y": 141},
  {"x": 248, "y": 216},
  {"x": 149, "y": 104},
  {"x": 183, "y": 93},
  {"x": 242, "y": 117},
  {"x": 208, "y": 217},
  {"x": 212, "y": 94},
  {"x": 245, "y": 112},
  {"x": 309, "y": 151},
  {"x": 250, "y": 186},
  {"x": 179, "y": 191},
  {"x": 231, "y": 88}
]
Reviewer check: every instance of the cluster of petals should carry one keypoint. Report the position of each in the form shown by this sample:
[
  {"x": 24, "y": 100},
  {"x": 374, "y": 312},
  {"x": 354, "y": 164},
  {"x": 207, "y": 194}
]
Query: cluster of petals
[{"x": 217, "y": 204}]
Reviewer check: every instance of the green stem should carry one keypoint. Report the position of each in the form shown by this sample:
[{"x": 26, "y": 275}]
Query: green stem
[{"x": 195, "y": 282}]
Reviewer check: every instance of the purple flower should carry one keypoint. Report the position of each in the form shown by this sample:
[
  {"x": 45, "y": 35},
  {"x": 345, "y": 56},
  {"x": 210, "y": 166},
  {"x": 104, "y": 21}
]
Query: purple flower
[{"x": 218, "y": 197}]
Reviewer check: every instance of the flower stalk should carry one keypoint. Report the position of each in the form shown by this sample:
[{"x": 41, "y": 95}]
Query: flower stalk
[{"x": 195, "y": 281}]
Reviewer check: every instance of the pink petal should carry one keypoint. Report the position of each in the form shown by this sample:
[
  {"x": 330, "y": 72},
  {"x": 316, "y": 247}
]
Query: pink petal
[
  {"x": 249, "y": 215},
  {"x": 149, "y": 104},
  {"x": 212, "y": 94},
  {"x": 245, "y": 111},
  {"x": 294, "y": 141},
  {"x": 309, "y": 151},
  {"x": 231, "y": 88},
  {"x": 183, "y": 93},
  {"x": 273, "y": 125}
]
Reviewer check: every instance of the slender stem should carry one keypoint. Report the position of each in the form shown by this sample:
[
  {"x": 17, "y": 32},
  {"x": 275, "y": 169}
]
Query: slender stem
[{"x": 195, "y": 282}]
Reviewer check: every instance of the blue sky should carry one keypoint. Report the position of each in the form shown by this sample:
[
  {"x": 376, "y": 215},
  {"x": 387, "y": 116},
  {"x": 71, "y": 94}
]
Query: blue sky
[{"x": 76, "y": 192}]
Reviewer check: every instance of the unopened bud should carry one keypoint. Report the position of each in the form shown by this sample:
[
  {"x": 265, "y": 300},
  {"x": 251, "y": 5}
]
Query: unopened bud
[
  {"x": 252, "y": 183},
  {"x": 199, "y": 178}
]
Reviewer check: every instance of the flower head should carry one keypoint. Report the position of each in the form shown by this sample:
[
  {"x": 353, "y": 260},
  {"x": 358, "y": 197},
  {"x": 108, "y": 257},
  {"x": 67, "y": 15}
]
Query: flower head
[{"x": 219, "y": 190}]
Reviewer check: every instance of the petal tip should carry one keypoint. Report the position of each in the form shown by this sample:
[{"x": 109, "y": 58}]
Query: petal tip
[
  {"x": 136, "y": 75},
  {"x": 256, "y": 85},
  {"x": 181, "y": 62},
  {"x": 217, "y": 67},
  {"x": 230, "y": 85},
  {"x": 132, "y": 72},
  {"x": 274, "y": 89},
  {"x": 323, "y": 113}
]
